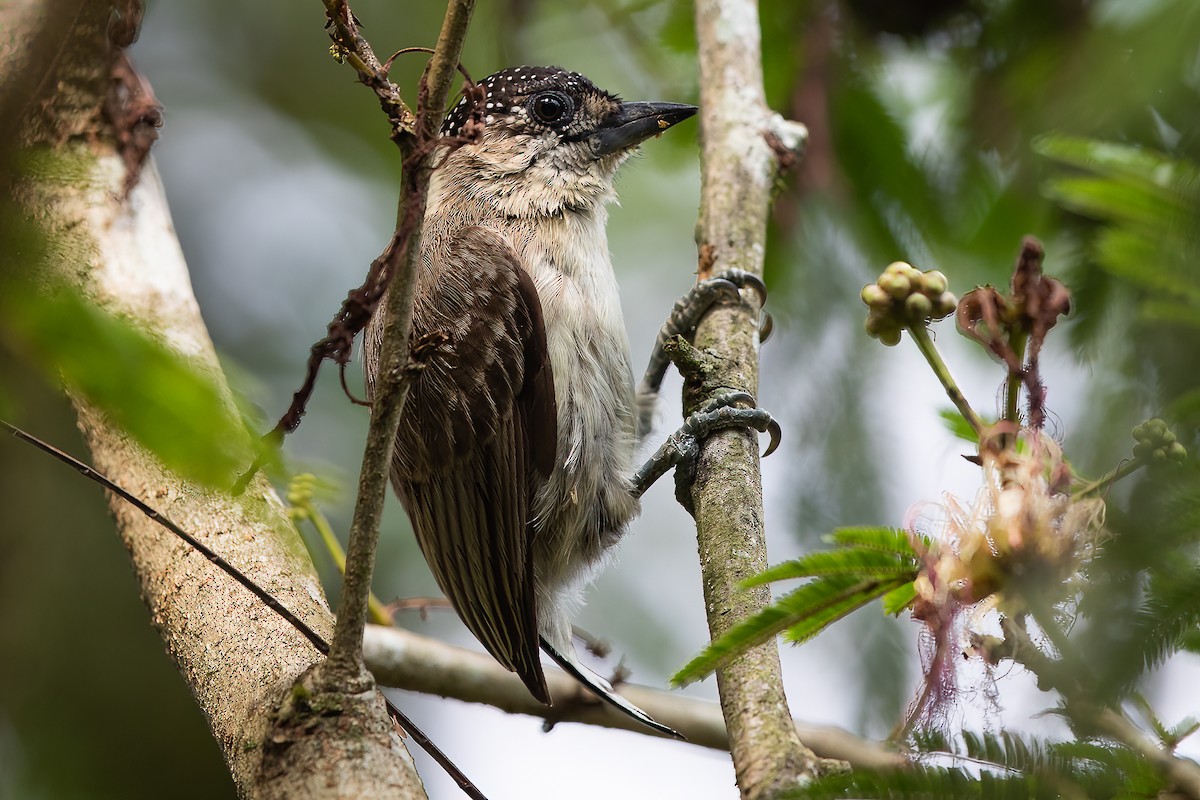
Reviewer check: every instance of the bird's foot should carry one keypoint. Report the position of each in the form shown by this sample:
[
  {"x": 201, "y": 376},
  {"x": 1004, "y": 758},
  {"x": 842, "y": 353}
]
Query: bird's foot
[
  {"x": 685, "y": 316},
  {"x": 681, "y": 448}
]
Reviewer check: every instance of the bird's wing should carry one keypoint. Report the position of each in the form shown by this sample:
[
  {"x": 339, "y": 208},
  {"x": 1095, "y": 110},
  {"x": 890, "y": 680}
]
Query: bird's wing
[{"x": 479, "y": 434}]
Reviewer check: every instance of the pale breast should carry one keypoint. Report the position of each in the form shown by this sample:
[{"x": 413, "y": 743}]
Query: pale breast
[{"x": 586, "y": 505}]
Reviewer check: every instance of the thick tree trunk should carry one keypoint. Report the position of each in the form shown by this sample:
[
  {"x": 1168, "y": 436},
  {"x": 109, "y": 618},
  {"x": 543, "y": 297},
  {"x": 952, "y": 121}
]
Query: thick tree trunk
[{"x": 118, "y": 247}]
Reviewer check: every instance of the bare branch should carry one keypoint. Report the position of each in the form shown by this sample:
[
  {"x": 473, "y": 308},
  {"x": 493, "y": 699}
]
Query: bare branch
[
  {"x": 344, "y": 666},
  {"x": 407, "y": 660}
]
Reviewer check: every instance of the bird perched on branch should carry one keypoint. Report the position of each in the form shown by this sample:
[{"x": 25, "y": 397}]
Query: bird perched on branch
[{"x": 514, "y": 456}]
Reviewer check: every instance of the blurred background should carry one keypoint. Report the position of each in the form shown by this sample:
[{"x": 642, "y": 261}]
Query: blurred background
[{"x": 928, "y": 122}]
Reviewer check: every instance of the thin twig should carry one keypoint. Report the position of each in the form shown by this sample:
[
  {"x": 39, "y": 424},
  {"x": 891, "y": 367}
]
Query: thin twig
[
  {"x": 1108, "y": 722},
  {"x": 349, "y": 45},
  {"x": 302, "y": 507},
  {"x": 360, "y": 304},
  {"x": 344, "y": 666},
  {"x": 1123, "y": 470}
]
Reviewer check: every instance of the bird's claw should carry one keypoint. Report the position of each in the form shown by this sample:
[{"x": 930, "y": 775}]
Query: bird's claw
[
  {"x": 744, "y": 280},
  {"x": 682, "y": 447},
  {"x": 720, "y": 412}
]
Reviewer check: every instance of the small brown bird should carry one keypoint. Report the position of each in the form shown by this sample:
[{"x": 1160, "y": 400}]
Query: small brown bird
[{"x": 515, "y": 453}]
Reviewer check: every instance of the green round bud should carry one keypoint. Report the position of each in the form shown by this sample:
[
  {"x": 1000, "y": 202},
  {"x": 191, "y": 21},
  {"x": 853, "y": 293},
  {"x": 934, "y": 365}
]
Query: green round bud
[
  {"x": 898, "y": 286},
  {"x": 918, "y": 307},
  {"x": 944, "y": 305},
  {"x": 934, "y": 282},
  {"x": 1159, "y": 455},
  {"x": 1176, "y": 452},
  {"x": 890, "y": 337},
  {"x": 874, "y": 296},
  {"x": 899, "y": 268},
  {"x": 876, "y": 323}
]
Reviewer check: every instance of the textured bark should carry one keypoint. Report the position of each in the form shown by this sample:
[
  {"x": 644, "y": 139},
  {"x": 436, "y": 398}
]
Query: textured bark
[
  {"x": 742, "y": 145},
  {"x": 239, "y": 658}
]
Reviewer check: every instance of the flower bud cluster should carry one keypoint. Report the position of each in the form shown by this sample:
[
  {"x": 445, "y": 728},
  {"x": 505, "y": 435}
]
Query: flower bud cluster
[
  {"x": 904, "y": 296},
  {"x": 1156, "y": 443}
]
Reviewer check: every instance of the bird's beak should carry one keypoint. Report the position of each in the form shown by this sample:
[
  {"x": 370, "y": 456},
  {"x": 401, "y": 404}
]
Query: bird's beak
[{"x": 634, "y": 123}]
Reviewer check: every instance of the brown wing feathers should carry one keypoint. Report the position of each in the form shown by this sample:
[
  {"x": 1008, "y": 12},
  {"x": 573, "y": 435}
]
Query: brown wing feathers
[{"x": 480, "y": 417}]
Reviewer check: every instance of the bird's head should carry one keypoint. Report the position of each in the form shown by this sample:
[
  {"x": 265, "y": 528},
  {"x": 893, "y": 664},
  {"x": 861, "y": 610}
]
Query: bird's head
[{"x": 550, "y": 141}]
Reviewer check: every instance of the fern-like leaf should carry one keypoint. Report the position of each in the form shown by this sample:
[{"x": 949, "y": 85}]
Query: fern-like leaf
[
  {"x": 899, "y": 598},
  {"x": 918, "y": 783},
  {"x": 957, "y": 424},
  {"x": 851, "y": 600},
  {"x": 809, "y": 609},
  {"x": 888, "y": 540},
  {"x": 868, "y": 563},
  {"x": 848, "y": 561}
]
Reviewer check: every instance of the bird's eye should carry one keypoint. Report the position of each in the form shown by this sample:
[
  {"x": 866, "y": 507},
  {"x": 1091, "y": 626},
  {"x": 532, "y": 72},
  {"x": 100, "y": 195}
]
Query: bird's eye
[{"x": 551, "y": 108}]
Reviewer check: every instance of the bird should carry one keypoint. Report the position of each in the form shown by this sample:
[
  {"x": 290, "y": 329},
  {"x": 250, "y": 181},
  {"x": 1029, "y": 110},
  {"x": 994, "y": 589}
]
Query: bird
[{"x": 514, "y": 455}]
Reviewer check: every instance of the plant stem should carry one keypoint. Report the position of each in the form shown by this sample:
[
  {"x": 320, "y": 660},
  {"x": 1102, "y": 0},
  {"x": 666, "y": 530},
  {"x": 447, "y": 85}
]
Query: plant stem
[
  {"x": 306, "y": 509},
  {"x": 1123, "y": 470},
  {"x": 1012, "y": 388},
  {"x": 925, "y": 344}
]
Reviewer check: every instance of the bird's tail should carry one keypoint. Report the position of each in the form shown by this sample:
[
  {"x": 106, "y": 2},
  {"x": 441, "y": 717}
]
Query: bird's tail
[{"x": 603, "y": 689}]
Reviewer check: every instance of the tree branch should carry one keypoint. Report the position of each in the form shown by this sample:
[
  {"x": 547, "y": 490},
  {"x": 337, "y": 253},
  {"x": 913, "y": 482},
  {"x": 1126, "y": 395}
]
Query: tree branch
[
  {"x": 238, "y": 657},
  {"x": 344, "y": 666},
  {"x": 406, "y": 660},
  {"x": 742, "y": 144}
]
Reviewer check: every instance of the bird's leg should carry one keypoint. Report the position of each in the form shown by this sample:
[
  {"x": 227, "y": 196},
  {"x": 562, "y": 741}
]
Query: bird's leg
[
  {"x": 684, "y": 317},
  {"x": 682, "y": 447},
  {"x": 721, "y": 411}
]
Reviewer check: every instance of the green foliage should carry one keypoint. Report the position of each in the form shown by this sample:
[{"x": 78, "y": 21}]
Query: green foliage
[
  {"x": 1150, "y": 203},
  {"x": 869, "y": 563},
  {"x": 873, "y": 152},
  {"x": 886, "y": 540},
  {"x": 957, "y": 424},
  {"x": 1003, "y": 766},
  {"x": 162, "y": 400},
  {"x": 858, "y": 561},
  {"x": 1169, "y": 612},
  {"x": 899, "y": 599}
]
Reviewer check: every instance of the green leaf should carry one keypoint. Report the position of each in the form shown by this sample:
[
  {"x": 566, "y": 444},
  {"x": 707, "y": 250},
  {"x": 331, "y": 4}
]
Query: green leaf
[
  {"x": 925, "y": 783},
  {"x": 807, "y": 610},
  {"x": 851, "y": 600},
  {"x": 957, "y": 424},
  {"x": 1145, "y": 170},
  {"x": 899, "y": 598},
  {"x": 164, "y": 401},
  {"x": 889, "y": 540},
  {"x": 896, "y": 196},
  {"x": 1170, "y": 612},
  {"x": 847, "y": 561},
  {"x": 1183, "y": 729}
]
